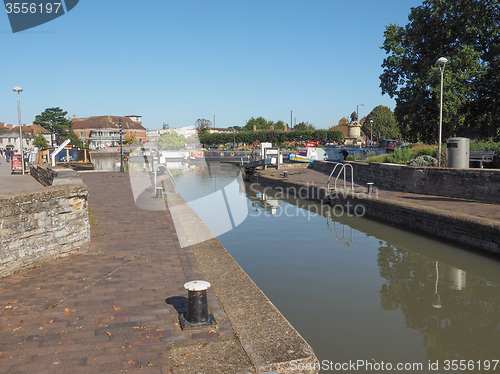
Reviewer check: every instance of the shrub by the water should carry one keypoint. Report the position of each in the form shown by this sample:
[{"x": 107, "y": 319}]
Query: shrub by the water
[
  {"x": 400, "y": 156},
  {"x": 424, "y": 161},
  {"x": 379, "y": 158}
]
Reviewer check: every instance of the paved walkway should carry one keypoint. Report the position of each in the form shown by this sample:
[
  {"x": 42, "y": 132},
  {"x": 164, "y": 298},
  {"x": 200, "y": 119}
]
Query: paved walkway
[
  {"x": 489, "y": 211},
  {"x": 114, "y": 308},
  {"x": 15, "y": 182}
]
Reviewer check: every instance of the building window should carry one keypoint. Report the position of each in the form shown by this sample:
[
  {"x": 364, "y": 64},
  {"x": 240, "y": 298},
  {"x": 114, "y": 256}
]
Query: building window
[{"x": 81, "y": 133}]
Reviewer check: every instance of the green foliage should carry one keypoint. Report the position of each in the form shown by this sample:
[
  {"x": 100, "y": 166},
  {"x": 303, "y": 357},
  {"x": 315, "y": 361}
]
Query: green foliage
[
  {"x": 424, "y": 161},
  {"x": 384, "y": 123},
  {"x": 465, "y": 32},
  {"x": 421, "y": 149},
  {"x": 303, "y": 126},
  {"x": 379, "y": 158},
  {"x": 275, "y": 137},
  {"x": 171, "y": 141},
  {"x": 350, "y": 158},
  {"x": 400, "y": 156},
  {"x": 74, "y": 139},
  {"x": 40, "y": 141},
  {"x": 54, "y": 120}
]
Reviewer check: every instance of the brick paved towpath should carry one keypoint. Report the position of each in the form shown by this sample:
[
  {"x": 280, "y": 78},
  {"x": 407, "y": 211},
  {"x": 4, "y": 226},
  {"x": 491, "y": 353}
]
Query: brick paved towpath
[{"x": 113, "y": 308}]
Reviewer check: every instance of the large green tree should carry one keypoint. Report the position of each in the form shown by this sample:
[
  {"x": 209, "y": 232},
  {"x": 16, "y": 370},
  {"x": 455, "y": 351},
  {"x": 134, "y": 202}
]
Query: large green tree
[
  {"x": 54, "y": 120},
  {"x": 384, "y": 123},
  {"x": 467, "y": 33},
  {"x": 261, "y": 123}
]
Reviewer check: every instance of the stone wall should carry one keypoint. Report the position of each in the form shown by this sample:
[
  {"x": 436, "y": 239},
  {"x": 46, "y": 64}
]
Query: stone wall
[
  {"x": 478, "y": 233},
  {"x": 475, "y": 184},
  {"x": 43, "y": 174},
  {"x": 41, "y": 226}
]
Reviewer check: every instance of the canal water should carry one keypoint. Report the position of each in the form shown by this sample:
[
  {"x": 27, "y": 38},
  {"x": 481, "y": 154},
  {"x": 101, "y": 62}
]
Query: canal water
[{"x": 365, "y": 295}]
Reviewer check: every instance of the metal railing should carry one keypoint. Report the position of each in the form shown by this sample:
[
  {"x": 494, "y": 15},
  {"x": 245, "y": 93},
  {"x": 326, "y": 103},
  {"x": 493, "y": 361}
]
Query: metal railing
[{"x": 342, "y": 169}]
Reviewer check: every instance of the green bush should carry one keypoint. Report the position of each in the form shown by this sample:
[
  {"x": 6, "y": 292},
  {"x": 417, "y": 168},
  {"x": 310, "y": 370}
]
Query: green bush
[
  {"x": 424, "y": 161},
  {"x": 350, "y": 158},
  {"x": 400, "y": 156},
  {"x": 379, "y": 158},
  {"x": 421, "y": 149}
]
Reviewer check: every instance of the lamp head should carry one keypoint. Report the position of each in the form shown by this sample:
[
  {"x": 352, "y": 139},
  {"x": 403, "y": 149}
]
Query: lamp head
[
  {"x": 17, "y": 89},
  {"x": 442, "y": 61}
]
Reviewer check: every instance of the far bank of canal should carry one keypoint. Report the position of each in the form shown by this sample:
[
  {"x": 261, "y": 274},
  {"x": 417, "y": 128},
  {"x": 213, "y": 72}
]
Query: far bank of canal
[{"x": 354, "y": 288}]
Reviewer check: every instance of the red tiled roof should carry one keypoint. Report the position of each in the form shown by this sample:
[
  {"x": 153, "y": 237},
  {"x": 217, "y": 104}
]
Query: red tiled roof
[{"x": 105, "y": 122}]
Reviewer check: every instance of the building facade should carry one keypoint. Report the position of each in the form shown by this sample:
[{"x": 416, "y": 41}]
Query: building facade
[{"x": 104, "y": 131}]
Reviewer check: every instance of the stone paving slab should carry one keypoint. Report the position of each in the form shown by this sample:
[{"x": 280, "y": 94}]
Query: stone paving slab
[{"x": 115, "y": 307}]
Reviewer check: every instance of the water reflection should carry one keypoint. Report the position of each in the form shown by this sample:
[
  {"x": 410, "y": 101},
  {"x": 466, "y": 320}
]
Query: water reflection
[
  {"x": 382, "y": 293},
  {"x": 335, "y": 233}
]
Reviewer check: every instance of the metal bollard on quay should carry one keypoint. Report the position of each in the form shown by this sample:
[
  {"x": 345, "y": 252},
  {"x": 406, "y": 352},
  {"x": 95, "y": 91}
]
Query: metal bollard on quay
[{"x": 197, "y": 309}]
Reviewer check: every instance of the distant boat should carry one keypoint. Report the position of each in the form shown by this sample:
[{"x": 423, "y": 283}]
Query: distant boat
[
  {"x": 308, "y": 154},
  {"x": 73, "y": 157}
]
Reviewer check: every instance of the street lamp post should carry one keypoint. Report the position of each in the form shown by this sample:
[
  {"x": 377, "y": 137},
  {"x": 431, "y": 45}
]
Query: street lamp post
[
  {"x": 371, "y": 131},
  {"x": 357, "y": 110},
  {"x": 121, "y": 146},
  {"x": 19, "y": 90},
  {"x": 441, "y": 62}
]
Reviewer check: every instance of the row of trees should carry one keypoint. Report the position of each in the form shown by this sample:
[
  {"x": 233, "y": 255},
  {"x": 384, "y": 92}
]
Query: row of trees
[
  {"x": 275, "y": 137},
  {"x": 466, "y": 32}
]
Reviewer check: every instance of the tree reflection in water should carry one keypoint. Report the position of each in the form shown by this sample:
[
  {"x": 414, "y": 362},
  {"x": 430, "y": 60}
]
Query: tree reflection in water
[{"x": 458, "y": 321}]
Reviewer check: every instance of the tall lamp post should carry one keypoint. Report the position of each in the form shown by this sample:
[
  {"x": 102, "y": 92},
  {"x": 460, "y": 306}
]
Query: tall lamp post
[
  {"x": 371, "y": 131},
  {"x": 441, "y": 62},
  {"x": 19, "y": 90},
  {"x": 357, "y": 110},
  {"x": 121, "y": 146}
]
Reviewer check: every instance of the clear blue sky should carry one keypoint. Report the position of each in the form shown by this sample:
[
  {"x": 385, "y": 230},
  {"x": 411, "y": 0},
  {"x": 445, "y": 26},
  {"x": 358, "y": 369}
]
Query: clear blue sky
[{"x": 178, "y": 60}]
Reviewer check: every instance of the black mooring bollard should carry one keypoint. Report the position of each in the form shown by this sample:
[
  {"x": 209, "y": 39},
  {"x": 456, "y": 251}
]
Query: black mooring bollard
[
  {"x": 159, "y": 193},
  {"x": 285, "y": 174},
  {"x": 197, "y": 308}
]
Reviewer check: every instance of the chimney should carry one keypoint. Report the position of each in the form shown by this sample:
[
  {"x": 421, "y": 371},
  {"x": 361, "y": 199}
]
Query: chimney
[
  {"x": 74, "y": 115},
  {"x": 286, "y": 127},
  {"x": 254, "y": 128},
  {"x": 2, "y": 125},
  {"x": 9, "y": 127},
  {"x": 272, "y": 127}
]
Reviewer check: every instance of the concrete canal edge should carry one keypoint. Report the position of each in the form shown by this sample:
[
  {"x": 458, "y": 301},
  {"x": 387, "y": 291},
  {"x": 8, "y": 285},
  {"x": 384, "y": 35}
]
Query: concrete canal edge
[
  {"x": 268, "y": 339},
  {"x": 477, "y": 233}
]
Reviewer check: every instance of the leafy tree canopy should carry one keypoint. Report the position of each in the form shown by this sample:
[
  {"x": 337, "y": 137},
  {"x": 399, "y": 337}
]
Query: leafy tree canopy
[
  {"x": 40, "y": 141},
  {"x": 466, "y": 32},
  {"x": 74, "y": 139},
  {"x": 170, "y": 141},
  {"x": 384, "y": 123},
  {"x": 303, "y": 126},
  {"x": 54, "y": 120},
  {"x": 261, "y": 123}
]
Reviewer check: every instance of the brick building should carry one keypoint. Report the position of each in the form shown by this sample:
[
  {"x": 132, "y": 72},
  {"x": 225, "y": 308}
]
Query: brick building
[{"x": 103, "y": 131}]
